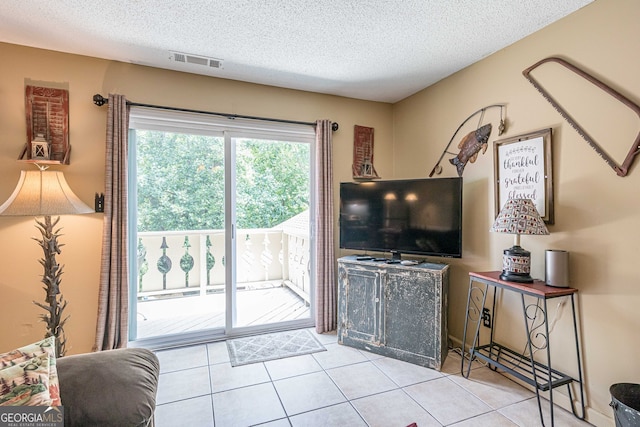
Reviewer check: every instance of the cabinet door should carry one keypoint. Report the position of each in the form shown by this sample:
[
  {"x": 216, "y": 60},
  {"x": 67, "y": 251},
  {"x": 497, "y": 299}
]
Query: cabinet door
[
  {"x": 411, "y": 315},
  {"x": 359, "y": 303}
]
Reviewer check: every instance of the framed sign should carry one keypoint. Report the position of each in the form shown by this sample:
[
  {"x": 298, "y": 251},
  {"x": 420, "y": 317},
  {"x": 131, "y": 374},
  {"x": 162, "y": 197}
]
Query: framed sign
[{"x": 523, "y": 169}]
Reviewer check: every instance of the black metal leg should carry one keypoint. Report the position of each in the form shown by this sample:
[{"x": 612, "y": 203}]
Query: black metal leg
[
  {"x": 473, "y": 309},
  {"x": 464, "y": 332},
  {"x": 580, "y": 382},
  {"x": 546, "y": 328},
  {"x": 530, "y": 348}
]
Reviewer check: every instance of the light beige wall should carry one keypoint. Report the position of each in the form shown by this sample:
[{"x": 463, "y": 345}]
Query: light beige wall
[
  {"x": 19, "y": 281},
  {"x": 597, "y": 213}
]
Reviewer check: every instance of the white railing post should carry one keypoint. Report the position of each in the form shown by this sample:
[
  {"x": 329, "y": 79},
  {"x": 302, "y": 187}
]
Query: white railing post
[{"x": 202, "y": 253}]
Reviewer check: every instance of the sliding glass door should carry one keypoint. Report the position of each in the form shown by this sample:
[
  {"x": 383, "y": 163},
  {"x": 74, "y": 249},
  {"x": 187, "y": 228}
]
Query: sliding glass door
[
  {"x": 272, "y": 244},
  {"x": 220, "y": 229}
]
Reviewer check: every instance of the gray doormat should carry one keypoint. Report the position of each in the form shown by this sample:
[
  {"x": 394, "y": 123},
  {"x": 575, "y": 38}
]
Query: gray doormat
[{"x": 261, "y": 348}]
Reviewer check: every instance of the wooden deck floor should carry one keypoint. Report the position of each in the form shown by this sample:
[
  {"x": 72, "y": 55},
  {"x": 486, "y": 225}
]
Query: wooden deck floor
[{"x": 158, "y": 317}]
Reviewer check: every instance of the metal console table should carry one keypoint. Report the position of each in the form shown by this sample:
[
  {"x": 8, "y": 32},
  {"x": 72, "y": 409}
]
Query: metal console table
[{"x": 522, "y": 366}]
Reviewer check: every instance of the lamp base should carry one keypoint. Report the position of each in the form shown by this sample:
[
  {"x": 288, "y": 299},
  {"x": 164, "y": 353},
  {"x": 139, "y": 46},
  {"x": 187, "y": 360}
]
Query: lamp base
[
  {"x": 516, "y": 265},
  {"x": 55, "y": 303},
  {"x": 516, "y": 277}
]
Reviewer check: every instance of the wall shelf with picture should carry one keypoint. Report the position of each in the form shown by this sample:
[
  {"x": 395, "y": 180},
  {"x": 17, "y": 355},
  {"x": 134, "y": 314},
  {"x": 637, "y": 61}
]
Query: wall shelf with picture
[{"x": 47, "y": 115}]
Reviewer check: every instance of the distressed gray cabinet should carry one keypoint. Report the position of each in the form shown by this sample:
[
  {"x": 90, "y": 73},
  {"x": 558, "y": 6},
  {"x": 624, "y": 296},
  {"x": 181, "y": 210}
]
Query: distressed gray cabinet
[{"x": 395, "y": 310}]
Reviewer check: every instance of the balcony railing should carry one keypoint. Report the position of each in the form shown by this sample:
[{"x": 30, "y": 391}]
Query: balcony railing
[{"x": 176, "y": 263}]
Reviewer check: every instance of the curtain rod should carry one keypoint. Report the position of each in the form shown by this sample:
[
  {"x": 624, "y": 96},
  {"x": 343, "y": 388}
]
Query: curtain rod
[{"x": 100, "y": 100}]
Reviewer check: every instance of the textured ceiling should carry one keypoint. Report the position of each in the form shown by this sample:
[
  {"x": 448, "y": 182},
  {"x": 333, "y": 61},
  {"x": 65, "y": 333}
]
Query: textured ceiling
[{"x": 380, "y": 50}]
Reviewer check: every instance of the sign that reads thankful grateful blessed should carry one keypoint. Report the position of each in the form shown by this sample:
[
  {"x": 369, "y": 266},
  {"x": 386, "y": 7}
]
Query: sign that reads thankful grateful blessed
[{"x": 521, "y": 172}]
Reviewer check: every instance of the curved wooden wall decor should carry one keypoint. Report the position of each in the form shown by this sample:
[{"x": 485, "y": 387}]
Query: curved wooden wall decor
[{"x": 620, "y": 168}]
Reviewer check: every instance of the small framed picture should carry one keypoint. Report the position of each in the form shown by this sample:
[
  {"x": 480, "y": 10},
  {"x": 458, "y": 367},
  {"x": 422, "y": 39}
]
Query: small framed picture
[{"x": 523, "y": 169}]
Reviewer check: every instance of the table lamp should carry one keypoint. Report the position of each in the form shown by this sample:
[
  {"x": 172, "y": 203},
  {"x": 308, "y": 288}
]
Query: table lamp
[
  {"x": 46, "y": 193},
  {"x": 518, "y": 216}
]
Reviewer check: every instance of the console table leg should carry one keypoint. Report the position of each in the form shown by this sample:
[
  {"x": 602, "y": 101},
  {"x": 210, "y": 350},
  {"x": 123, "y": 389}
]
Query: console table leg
[
  {"x": 580, "y": 381},
  {"x": 546, "y": 328},
  {"x": 474, "y": 313},
  {"x": 530, "y": 346}
]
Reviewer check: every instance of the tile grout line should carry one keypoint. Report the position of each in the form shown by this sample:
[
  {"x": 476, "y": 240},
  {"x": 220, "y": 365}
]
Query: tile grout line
[
  {"x": 275, "y": 389},
  {"x": 326, "y": 371},
  {"x": 213, "y": 406},
  {"x": 341, "y": 392}
]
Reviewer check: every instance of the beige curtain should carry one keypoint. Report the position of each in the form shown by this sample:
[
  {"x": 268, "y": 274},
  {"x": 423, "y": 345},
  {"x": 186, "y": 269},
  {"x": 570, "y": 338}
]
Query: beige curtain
[
  {"x": 326, "y": 290},
  {"x": 113, "y": 300}
]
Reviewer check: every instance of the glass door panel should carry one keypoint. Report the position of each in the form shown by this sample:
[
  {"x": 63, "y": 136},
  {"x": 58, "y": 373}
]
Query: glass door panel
[
  {"x": 180, "y": 233},
  {"x": 272, "y": 238}
]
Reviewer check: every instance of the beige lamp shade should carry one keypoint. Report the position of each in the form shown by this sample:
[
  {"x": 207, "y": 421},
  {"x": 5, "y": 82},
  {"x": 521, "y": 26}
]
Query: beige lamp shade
[
  {"x": 519, "y": 216},
  {"x": 43, "y": 192}
]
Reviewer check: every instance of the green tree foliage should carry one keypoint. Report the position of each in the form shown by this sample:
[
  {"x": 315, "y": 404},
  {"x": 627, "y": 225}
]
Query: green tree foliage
[
  {"x": 181, "y": 181},
  {"x": 272, "y": 182}
]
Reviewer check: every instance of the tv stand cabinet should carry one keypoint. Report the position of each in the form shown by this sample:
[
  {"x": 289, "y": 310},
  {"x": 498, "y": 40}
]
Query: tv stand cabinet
[{"x": 395, "y": 310}]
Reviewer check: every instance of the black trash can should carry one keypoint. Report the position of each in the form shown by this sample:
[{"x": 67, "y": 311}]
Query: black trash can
[{"x": 626, "y": 404}]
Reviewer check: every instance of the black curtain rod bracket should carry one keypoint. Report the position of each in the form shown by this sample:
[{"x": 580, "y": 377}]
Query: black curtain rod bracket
[{"x": 100, "y": 100}]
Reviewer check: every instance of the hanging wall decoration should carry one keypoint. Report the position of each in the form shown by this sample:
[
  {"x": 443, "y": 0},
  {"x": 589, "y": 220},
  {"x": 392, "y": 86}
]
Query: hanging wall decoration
[
  {"x": 47, "y": 114},
  {"x": 523, "y": 170},
  {"x": 363, "y": 153},
  {"x": 620, "y": 168},
  {"x": 474, "y": 142}
]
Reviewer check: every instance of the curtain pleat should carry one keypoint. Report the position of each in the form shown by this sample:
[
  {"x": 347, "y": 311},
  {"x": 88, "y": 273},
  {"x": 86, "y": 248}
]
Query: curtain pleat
[
  {"x": 326, "y": 289},
  {"x": 113, "y": 300}
]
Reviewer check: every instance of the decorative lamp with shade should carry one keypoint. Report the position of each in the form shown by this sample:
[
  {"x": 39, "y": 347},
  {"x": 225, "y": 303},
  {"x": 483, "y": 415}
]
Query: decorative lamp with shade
[
  {"x": 518, "y": 216},
  {"x": 46, "y": 193}
]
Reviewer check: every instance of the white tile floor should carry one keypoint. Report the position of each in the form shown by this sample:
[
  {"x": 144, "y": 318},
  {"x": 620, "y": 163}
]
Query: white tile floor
[{"x": 338, "y": 387}]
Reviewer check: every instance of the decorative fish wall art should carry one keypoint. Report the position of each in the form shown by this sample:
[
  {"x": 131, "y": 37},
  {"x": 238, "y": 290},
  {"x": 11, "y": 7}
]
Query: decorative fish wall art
[
  {"x": 470, "y": 146},
  {"x": 472, "y": 143}
]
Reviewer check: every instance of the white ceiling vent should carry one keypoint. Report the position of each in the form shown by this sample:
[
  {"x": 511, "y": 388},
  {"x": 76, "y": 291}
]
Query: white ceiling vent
[{"x": 197, "y": 60}]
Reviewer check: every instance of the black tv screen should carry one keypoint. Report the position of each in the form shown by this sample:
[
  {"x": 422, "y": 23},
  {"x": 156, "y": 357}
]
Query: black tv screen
[{"x": 413, "y": 216}]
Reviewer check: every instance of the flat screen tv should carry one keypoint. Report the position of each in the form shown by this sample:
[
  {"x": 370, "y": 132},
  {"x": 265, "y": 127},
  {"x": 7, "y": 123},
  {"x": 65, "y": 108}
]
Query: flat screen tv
[{"x": 412, "y": 216}]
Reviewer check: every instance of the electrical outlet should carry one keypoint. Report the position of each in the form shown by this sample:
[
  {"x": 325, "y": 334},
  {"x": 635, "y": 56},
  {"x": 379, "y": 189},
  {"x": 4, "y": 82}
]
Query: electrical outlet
[{"x": 486, "y": 317}]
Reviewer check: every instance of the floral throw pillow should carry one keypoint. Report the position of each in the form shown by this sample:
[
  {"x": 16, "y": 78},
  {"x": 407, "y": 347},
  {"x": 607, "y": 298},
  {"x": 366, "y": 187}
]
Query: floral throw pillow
[
  {"x": 46, "y": 346},
  {"x": 26, "y": 383}
]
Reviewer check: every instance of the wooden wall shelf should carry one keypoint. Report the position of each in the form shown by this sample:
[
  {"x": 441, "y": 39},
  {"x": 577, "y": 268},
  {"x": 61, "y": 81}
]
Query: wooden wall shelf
[{"x": 24, "y": 157}]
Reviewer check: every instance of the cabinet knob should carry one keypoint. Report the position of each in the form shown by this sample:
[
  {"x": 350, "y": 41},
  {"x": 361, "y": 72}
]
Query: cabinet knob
[{"x": 377, "y": 299}]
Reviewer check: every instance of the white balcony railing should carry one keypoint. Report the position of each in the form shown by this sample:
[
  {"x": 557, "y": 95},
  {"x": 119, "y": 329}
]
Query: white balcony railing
[{"x": 176, "y": 263}]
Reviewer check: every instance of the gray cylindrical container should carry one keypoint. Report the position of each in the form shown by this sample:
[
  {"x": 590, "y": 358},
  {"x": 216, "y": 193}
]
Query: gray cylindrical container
[
  {"x": 556, "y": 271},
  {"x": 625, "y": 401}
]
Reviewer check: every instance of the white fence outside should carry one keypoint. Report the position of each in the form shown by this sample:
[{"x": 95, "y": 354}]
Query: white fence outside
[{"x": 179, "y": 262}]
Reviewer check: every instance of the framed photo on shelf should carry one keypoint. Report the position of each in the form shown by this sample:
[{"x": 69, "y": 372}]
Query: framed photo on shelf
[{"x": 523, "y": 169}]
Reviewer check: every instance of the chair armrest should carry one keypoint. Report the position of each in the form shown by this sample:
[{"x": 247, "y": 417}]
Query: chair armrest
[{"x": 109, "y": 388}]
